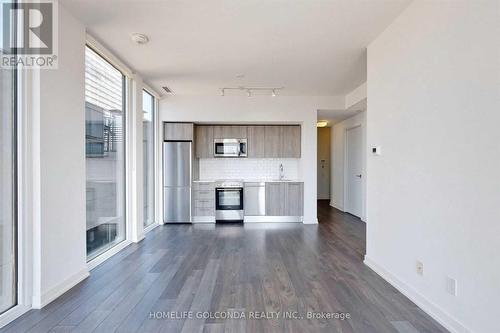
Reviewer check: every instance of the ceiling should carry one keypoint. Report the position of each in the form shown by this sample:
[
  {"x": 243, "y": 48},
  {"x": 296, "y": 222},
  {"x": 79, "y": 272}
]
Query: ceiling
[{"x": 315, "y": 47}]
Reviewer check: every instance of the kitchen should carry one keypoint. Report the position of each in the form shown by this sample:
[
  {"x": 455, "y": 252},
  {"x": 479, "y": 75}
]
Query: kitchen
[
  {"x": 232, "y": 173},
  {"x": 257, "y": 110}
]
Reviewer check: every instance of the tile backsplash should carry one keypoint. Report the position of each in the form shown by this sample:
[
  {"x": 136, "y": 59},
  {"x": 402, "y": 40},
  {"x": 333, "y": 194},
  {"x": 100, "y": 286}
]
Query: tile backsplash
[{"x": 248, "y": 168}]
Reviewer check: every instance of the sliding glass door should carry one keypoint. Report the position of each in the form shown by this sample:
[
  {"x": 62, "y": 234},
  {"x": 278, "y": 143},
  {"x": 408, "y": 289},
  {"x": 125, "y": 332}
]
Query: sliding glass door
[
  {"x": 8, "y": 218},
  {"x": 105, "y": 154},
  {"x": 148, "y": 128}
]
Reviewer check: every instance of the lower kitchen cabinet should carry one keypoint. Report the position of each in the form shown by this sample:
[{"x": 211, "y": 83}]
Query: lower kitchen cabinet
[
  {"x": 203, "y": 201},
  {"x": 285, "y": 199},
  {"x": 275, "y": 199},
  {"x": 294, "y": 204}
]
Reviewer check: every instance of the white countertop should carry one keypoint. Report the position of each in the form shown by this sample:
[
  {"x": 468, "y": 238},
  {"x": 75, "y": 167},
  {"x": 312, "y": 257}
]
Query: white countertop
[{"x": 250, "y": 180}]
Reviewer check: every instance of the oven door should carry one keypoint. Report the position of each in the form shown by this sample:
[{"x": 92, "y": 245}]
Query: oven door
[
  {"x": 229, "y": 198},
  {"x": 226, "y": 148}
]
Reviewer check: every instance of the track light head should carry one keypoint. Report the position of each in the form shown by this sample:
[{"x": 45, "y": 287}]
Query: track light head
[{"x": 249, "y": 90}]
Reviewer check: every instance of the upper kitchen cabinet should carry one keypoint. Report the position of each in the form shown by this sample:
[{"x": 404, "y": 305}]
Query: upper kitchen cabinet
[
  {"x": 264, "y": 141},
  {"x": 291, "y": 141},
  {"x": 230, "y": 132},
  {"x": 204, "y": 141},
  {"x": 178, "y": 131},
  {"x": 256, "y": 141},
  {"x": 282, "y": 141},
  {"x": 273, "y": 136}
]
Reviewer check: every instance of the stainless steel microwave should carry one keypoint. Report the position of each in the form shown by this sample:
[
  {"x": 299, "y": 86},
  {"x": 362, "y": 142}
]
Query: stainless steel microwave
[{"x": 230, "y": 147}]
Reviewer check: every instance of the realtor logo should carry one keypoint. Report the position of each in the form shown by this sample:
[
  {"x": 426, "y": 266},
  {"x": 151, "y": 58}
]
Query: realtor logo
[{"x": 29, "y": 34}]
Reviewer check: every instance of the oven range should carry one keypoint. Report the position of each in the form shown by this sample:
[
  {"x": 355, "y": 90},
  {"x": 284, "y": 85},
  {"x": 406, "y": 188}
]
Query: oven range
[{"x": 229, "y": 201}]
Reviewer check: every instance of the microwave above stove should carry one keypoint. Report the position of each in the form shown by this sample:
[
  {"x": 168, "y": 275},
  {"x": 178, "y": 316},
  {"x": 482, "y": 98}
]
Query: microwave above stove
[{"x": 230, "y": 147}]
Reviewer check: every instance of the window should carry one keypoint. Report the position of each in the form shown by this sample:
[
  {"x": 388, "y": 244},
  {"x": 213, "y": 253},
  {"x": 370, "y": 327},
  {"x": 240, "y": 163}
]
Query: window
[
  {"x": 148, "y": 128},
  {"x": 105, "y": 154},
  {"x": 8, "y": 185}
]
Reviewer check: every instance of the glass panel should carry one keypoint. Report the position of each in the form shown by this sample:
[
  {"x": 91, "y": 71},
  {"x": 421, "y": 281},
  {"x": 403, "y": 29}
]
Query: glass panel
[
  {"x": 226, "y": 148},
  {"x": 8, "y": 292},
  {"x": 148, "y": 140},
  {"x": 229, "y": 198},
  {"x": 105, "y": 154},
  {"x": 219, "y": 148}
]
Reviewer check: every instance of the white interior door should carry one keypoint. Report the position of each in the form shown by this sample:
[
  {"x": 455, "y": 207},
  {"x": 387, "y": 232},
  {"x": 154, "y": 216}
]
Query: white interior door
[{"x": 353, "y": 173}]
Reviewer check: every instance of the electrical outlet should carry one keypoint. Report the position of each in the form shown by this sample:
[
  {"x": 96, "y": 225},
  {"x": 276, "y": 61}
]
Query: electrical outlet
[
  {"x": 419, "y": 268},
  {"x": 451, "y": 286}
]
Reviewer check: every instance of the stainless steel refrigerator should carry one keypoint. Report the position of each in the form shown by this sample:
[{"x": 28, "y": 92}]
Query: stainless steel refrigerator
[{"x": 177, "y": 182}]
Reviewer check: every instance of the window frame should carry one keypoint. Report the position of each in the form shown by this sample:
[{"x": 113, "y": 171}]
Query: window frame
[
  {"x": 101, "y": 257},
  {"x": 154, "y": 143}
]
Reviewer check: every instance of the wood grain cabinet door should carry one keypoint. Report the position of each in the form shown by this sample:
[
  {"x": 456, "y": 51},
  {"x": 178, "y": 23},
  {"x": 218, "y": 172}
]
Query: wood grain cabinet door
[
  {"x": 294, "y": 203},
  {"x": 256, "y": 141},
  {"x": 273, "y": 141},
  {"x": 230, "y": 132},
  {"x": 275, "y": 199},
  {"x": 178, "y": 131},
  {"x": 238, "y": 132},
  {"x": 204, "y": 141},
  {"x": 291, "y": 141}
]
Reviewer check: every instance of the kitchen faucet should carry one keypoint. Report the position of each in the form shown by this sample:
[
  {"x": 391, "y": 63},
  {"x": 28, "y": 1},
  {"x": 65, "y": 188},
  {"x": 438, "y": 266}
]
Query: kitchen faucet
[{"x": 282, "y": 174}]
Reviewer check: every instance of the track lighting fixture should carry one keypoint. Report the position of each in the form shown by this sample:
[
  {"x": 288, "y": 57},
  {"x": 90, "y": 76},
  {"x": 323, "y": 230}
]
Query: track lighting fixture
[{"x": 250, "y": 90}]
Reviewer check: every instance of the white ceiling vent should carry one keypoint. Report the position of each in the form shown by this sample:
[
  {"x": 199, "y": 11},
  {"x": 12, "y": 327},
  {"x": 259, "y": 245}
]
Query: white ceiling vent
[{"x": 167, "y": 89}]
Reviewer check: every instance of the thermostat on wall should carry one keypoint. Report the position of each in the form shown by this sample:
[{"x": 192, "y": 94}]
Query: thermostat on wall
[{"x": 376, "y": 150}]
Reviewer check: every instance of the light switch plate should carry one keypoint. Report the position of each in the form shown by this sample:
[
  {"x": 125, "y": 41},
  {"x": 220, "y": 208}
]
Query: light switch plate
[
  {"x": 419, "y": 267},
  {"x": 451, "y": 286}
]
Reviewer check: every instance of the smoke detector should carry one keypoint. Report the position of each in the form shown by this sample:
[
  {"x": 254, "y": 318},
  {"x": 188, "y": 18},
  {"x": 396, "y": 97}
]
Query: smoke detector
[{"x": 138, "y": 38}]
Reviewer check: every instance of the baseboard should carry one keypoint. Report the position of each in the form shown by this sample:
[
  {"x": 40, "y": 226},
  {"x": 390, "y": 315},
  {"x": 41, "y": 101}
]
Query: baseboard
[
  {"x": 108, "y": 254},
  {"x": 315, "y": 221},
  {"x": 139, "y": 238},
  {"x": 52, "y": 294},
  {"x": 12, "y": 314},
  {"x": 334, "y": 205},
  {"x": 273, "y": 219},
  {"x": 151, "y": 227},
  {"x": 203, "y": 219},
  {"x": 428, "y": 307}
]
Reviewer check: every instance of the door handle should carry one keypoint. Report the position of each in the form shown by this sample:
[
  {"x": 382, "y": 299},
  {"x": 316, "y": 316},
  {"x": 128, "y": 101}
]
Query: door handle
[{"x": 359, "y": 176}]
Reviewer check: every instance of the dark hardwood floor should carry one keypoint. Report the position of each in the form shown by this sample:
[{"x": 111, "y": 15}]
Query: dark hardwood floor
[{"x": 256, "y": 269}]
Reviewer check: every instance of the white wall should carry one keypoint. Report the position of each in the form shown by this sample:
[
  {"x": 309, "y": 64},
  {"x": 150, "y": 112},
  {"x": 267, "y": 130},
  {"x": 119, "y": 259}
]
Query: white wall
[
  {"x": 338, "y": 141},
  {"x": 355, "y": 96},
  {"x": 259, "y": 109},
  {"x": 434, "y": 193},
  {"x": 324, "y": 169},
  {"x": 60, "y": 250}
]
